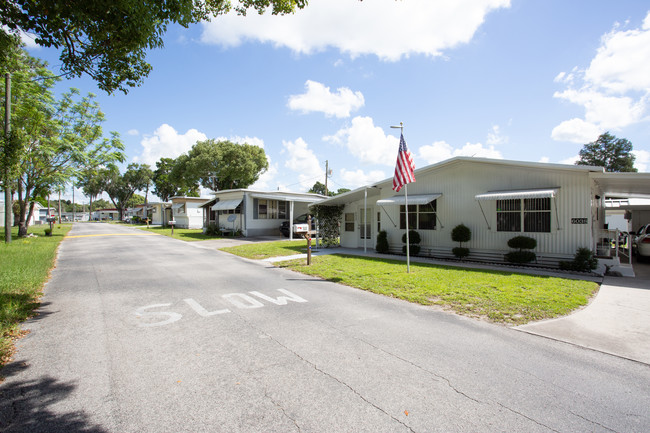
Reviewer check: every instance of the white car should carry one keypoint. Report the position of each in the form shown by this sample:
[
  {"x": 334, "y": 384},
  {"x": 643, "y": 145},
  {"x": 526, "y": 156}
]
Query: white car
[{"x": 641, "y": 245}]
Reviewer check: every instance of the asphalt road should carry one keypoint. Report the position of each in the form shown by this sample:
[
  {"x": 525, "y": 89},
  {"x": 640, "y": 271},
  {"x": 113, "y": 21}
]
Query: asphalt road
[{"x": 142, "y": 333}]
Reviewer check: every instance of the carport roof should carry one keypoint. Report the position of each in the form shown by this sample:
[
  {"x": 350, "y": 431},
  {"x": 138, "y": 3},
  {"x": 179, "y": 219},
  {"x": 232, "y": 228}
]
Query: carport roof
[{"x": 624, "y": 185}]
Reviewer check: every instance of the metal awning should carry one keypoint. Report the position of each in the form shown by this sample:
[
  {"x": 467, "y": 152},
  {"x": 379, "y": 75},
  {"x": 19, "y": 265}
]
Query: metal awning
[
  {"x": 518, "y": 193},
  {"x": 412, "y": 199},
  {"x": 178, "y": 205},
  {"x": 282, "y": 197},
  {"x": 226, "y": 204}
]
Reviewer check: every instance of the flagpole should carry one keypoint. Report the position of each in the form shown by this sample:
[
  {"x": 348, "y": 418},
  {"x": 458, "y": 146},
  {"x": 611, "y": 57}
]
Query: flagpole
[
  {"x": 408, "y": 246},
  {"x": 406, "y": 204}
]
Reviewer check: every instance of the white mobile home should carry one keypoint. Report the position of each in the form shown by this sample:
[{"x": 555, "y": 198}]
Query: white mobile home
[
  {"x": 561, "y": 206},
  {"x": 186, "y": 211},
  {"x": 256, "y": 213}
]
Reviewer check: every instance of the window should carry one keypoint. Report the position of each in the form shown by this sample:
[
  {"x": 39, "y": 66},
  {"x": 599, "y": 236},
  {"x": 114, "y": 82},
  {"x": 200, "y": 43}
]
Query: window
[
  {"x": 421, "y": 217},
  {"x": 509, "y": 215},
  {"x": 349, "y": 222},
  {"x": 270, "y": 209},
  {"x": 536, "y": 215},
  {"x": 378, "y": 222}
]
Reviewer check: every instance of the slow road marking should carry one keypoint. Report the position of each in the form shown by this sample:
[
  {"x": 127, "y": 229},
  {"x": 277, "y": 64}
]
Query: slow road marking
[{"x": 240, "y": 300}]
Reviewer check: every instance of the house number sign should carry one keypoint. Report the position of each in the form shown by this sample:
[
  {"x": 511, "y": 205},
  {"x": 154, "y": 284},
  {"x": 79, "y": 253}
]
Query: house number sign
[{"x": 578, "y": 220}]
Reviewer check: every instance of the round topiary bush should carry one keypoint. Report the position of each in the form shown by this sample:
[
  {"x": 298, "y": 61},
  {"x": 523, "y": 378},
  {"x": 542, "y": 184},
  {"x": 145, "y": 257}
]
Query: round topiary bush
[
  {"x": 522, "y": 243},
  {"x": 414, "y": 237},
  {"x": 414, "y": 240},
  {"x": 461, "y": 233},
  {"x": 460, "y": 252},
  {"x": 521, "y": 256},
  {"x": 382, "y": 242}
]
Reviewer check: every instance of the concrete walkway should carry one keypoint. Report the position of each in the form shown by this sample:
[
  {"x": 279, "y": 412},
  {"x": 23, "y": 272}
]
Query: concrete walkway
[{"x": 617, "y": 321}]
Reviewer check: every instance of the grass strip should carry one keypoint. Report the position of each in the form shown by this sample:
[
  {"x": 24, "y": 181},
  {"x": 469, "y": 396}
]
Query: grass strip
[
  {"x": 25, "y": 266},
  {"x": 498, "y": 296},
  {"x": 264, "y": 250},
  {"x": 188, "y": 235}
]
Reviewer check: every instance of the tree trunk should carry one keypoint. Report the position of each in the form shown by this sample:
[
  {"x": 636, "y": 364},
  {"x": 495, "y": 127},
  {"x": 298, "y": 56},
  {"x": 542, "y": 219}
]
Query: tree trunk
[{"x": 22, "y": 208}]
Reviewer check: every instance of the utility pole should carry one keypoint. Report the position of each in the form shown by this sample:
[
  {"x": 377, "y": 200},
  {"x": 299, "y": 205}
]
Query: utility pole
[
  {"x": 327, "y": 171},
  {"x": 8, "y": 195}
]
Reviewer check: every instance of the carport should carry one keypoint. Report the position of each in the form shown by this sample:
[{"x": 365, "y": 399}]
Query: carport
[{"x": 628, "y": 193}]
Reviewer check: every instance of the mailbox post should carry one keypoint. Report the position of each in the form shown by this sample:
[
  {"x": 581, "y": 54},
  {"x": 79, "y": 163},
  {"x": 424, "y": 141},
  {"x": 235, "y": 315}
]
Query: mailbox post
[
  {"x": 308, "y": 235},
  {"x": 171, "y": 223}
]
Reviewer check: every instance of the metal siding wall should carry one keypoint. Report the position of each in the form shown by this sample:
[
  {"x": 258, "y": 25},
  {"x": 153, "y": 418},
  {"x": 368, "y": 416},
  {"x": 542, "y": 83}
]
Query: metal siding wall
[{"x": 460, "y": 182}]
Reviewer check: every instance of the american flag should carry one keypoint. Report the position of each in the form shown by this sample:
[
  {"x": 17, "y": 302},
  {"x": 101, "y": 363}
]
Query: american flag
[{"x": 404, "y": 168}]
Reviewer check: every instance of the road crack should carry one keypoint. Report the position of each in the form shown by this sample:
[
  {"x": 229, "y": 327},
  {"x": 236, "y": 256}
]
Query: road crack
[
  {"x": 284, "y": 411},
  {"x": 592, "y": 422}
]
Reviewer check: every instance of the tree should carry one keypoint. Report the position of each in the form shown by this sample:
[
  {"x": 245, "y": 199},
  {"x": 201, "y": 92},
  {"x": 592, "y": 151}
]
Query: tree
[
  {"x": 108, "y": 39},
  {"x": 220, "y": 165},
  {"x": 166, "y": 185},
  {"x": 319, "y": 188},
  {"x": 342, "y": 190},
  {"x": 120, "y": 188},
  {"x": 615, "y": 154}
]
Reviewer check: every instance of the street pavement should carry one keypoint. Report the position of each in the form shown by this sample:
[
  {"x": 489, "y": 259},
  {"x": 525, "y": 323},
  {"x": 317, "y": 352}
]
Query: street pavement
[{"x": 143, "y": 333}]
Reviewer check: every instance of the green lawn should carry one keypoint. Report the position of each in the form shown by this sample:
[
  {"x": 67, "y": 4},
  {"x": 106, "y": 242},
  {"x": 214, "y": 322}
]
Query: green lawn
[
  {"x": 264, "y": 250},
  {"x": 189, "y": 235},
  {"x": 25, "y": 266},
  {"x": 502, "y": 297}
]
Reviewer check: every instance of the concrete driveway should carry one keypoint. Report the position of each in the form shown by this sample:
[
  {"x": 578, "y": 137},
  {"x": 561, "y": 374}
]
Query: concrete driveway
[{"x": 617, "y": 321}]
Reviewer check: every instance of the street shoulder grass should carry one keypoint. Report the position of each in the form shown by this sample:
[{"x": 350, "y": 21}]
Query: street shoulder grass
[
  {"x": 25, "y": 266},
  {"x": 265, "y": 250},
  {"x": 497, "y": 296}
]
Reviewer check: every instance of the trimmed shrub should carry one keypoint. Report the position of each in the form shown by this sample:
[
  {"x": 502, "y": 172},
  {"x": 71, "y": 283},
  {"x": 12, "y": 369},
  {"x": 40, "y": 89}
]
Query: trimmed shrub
[
  {"x": 382, "y": 242},
  {"x": 583, "y": 261},
  {"x": 414, "y": 240},
  {"x": 522, "y": 243},
  {"x": 460, "y": 252},
  {"x": 48, "y": 232},
  {"x": 461, "y": 233},
  {"x": 521, "y": 256}
]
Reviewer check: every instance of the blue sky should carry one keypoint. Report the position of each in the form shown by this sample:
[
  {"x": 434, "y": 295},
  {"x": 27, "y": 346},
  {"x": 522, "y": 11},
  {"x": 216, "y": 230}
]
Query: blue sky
[{"x": 515, "y": 79}]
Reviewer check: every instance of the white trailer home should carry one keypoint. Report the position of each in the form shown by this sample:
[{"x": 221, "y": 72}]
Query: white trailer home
[
  {"x": 561, "y": 206},
  {"x": 186, "y": 211},
  {"x": 256, "y": 213}
]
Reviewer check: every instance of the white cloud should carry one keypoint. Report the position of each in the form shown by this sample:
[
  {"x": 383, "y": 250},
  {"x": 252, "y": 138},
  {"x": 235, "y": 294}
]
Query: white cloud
[
  {"x": 320, "y": 98},
  {"x": 570, "y": 161},
  {"x": 253, "y": 141},
  {"x": 356, "y": 178},
  {"x": 167, "y": 142},
  {"x": 495, "y": 136},
  {"x": 441, "y": 150},
  {"x": 576, "y": 131},
  {"x": 545, "y": 159},
  {"x": 388, "y": 29},
  {"x": 133, "y": 132},
  {"x": 367, "y": 142},
  {"x": 614, "y": 90},
  {"x": 642, "y": 161},
  {"x": 302, "y": 160}
]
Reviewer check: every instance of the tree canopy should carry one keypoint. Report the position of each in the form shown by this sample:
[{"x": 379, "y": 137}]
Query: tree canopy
[
  {"x": 121, "y": 187},
  {"x": 219, "y": 165},
  {"x": 615, "y": 154},
  {"x": 51, "y": 139},
  {"x": 108, "y": 39}
]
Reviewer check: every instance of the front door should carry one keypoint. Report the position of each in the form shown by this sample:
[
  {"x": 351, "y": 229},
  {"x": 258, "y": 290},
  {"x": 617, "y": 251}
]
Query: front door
[{"x": 365, "y": 228}]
